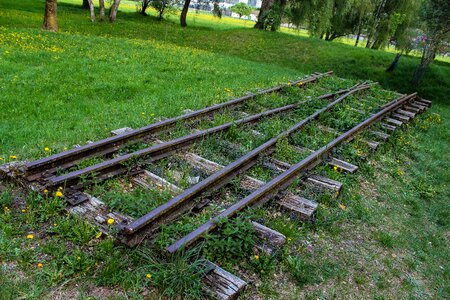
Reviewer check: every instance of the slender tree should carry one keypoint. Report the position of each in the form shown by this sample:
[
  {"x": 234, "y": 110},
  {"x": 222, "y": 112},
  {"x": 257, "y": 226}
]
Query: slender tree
[
  {"x": 436, "y": 20},
  {"x": 85, "y": 4},
  {"x": 101, "y": 7},
  {"x": 184, "y": 12},
  {"x": 50, "y": 16},
  {"x": 113, "y": 11},
  {"x": 92, "y": 10}
]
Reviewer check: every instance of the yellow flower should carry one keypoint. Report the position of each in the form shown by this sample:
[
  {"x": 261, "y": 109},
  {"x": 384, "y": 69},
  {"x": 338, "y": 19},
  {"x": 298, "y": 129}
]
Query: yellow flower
[
  {"x": 289, "y": 83},
  {"x": 24, "y": 210},
  {"x": 148, "y": 276},
  {"x": 30, "y": 236},
  {"x": 289, "y": 239},
  {"x": 1, "y": 158},
  {"x": 110, "y": 221},
  {"x": 335, "y": 168},
  {"x": 256, "y": 257},
  {"x": 60, "y": 188},
  {"x": 142, "y": 113},
  {"x": 78, "y": 258},
  {"x": 342, "y": 206},
  {"x": 65, "y": 148},
  {"x": 300, "y": 83},
  {"x": 39, "y": 265},
  {"x": 58, "y": 194},
  {"x": 98, "y": 235},
  {"x": 12, "y": 156},
  {"x": 6, "y": 208},
  {"x": 46, "y": 149},
  {"x": 45, "y": 191},
  {"x": 337, "y": 192}
]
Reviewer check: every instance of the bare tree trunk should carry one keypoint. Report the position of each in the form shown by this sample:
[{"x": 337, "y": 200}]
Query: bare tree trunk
[
  {"x": 50, "y": 16},
  {"x": 266, "y": 5},
  {"x": 113, "y": 11},
  {"x": 144, "y": 7},
  {"x": 85, "y": 4},
  {"x": 394, "y": 63},
  {"x": 428, "y": 55},
  {"x": 101, "y": 6},
  {"x": 358, "y": 35},
  {"x": 184, "y": 12},
  {"x": 92, "y": 10}
]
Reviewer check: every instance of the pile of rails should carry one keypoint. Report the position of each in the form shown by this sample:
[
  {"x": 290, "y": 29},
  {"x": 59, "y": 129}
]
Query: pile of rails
[{"x": 116, "y": 157}]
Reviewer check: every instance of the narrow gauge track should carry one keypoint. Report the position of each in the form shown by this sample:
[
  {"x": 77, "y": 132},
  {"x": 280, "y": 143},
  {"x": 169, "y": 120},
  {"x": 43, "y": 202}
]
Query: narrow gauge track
[
  {"x": 45, "y": 167},
  {"x": 43, "y": 173}
]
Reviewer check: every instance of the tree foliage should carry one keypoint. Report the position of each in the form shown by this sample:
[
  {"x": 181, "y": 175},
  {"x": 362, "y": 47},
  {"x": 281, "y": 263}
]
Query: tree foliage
[{"x": 241, "y": 9}]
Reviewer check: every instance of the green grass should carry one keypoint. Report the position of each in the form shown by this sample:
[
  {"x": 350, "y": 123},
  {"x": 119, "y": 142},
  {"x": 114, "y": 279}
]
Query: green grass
[{"x": 387, "y": 233}]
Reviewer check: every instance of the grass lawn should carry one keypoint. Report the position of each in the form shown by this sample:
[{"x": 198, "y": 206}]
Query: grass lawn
[{"x": 388, "y": 239}]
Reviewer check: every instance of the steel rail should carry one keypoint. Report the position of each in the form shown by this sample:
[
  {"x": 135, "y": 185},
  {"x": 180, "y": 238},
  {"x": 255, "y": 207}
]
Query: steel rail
[
  {"x": 114, "y": 143},
  {"x": 282, "y": 181},
  {"x": 228, "y": 173},
  {"x": 163, "y": 150}
]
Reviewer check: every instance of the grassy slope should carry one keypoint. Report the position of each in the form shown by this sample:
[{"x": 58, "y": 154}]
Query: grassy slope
[{"x": 75, "y": 86}]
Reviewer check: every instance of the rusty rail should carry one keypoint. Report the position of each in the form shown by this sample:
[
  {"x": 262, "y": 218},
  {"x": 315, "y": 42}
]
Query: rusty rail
[
  {"x": 159, "y": 151},
  {"x": 282, "y": 181},
  {"x": 162, "y": 213},
  {"x": 112, "y": 144}
]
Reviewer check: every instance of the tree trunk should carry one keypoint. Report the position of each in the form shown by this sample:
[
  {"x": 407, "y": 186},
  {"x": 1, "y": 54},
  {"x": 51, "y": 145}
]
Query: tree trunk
[
  {"x": 358, "y": 33},
  {"x": 101, "y": 7},
  {"x": 113, "y": 11},
  {"x": 266, "y": 5},
  {"x": 145, "y": 4},
  {"x": 85, "y": 4},
  {"x": 327, "y": 36},
  {"x": 50, "y": 16},
  {"x": 184, "y": 12},
  {"x": 394, "y": 63},
  {"x": 428, "y": 54},
  {"x": 92, "y": 10}
]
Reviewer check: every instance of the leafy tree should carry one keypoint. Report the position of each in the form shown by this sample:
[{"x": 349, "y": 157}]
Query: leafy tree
[
  {"x": 50, "y": 16},
  {"x": 163, "y": 7},
  {"x": 436, "y": 23},
  {"x": 271, "y": 14},
  {"x": 241, "y": 9},
  {"x": 142, "y": 7}
]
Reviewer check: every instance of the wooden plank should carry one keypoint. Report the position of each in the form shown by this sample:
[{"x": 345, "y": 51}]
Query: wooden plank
[
  {"x": 95, "y": 212},
  {"x": 406, "y": 113},
  {"x": 321, "y": 183},
  {"x": 400, "y": 117},
  {"x": 221, "y": 284},
  {"x": 120, "y": 131},
  {"x": 346, "y": 166},
  {"x": 299, "y": 208},
  {"x": 388, "y": 127},
  {"x": 410, "y": 108},
  {"x": 426, "y": 102},
  {"x": 418, "y": 106},
  {"x": 372, "y": 144},
  {"x": 162, "y": 184},
  {"x": 380, "y": 134},
  {"x": 393, "y": 122},
  {"x": 269, "y": 240},
  {"x": 302, "y": 150}
]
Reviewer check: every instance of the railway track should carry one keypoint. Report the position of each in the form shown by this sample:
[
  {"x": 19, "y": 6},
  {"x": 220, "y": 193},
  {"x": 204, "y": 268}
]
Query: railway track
[{"x": 313, "y": 127}]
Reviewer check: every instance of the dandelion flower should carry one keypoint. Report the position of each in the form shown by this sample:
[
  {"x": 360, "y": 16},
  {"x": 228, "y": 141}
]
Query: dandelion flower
[
  {"x": 58, "y": 194},
  {"x": 24, "y": 210},
  {"x": 335, "y": 168},
  {"x": 45, "y": 191},
  {"x": 342, "y": 206},
  {"x": 60, "y": 188},
  {"x": 39, "y": 265},
  {"x": 13, "y": 157},
  {"x": 289, "y": 83},
  {"x": 30, "y": 236},
  {"x": 110, "y": 221},
  {"x": 256, "y": 257},
  {"x": 300, "y": 83},
  {"x": 289, "y": 239},
  {"x": 148, "y": 276},
  {"x": 46, "y": 149},
  {"x": 1, "y": 158},
  {"x": 78, "y": 258},
  {"x": 98, "y": 235}
]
